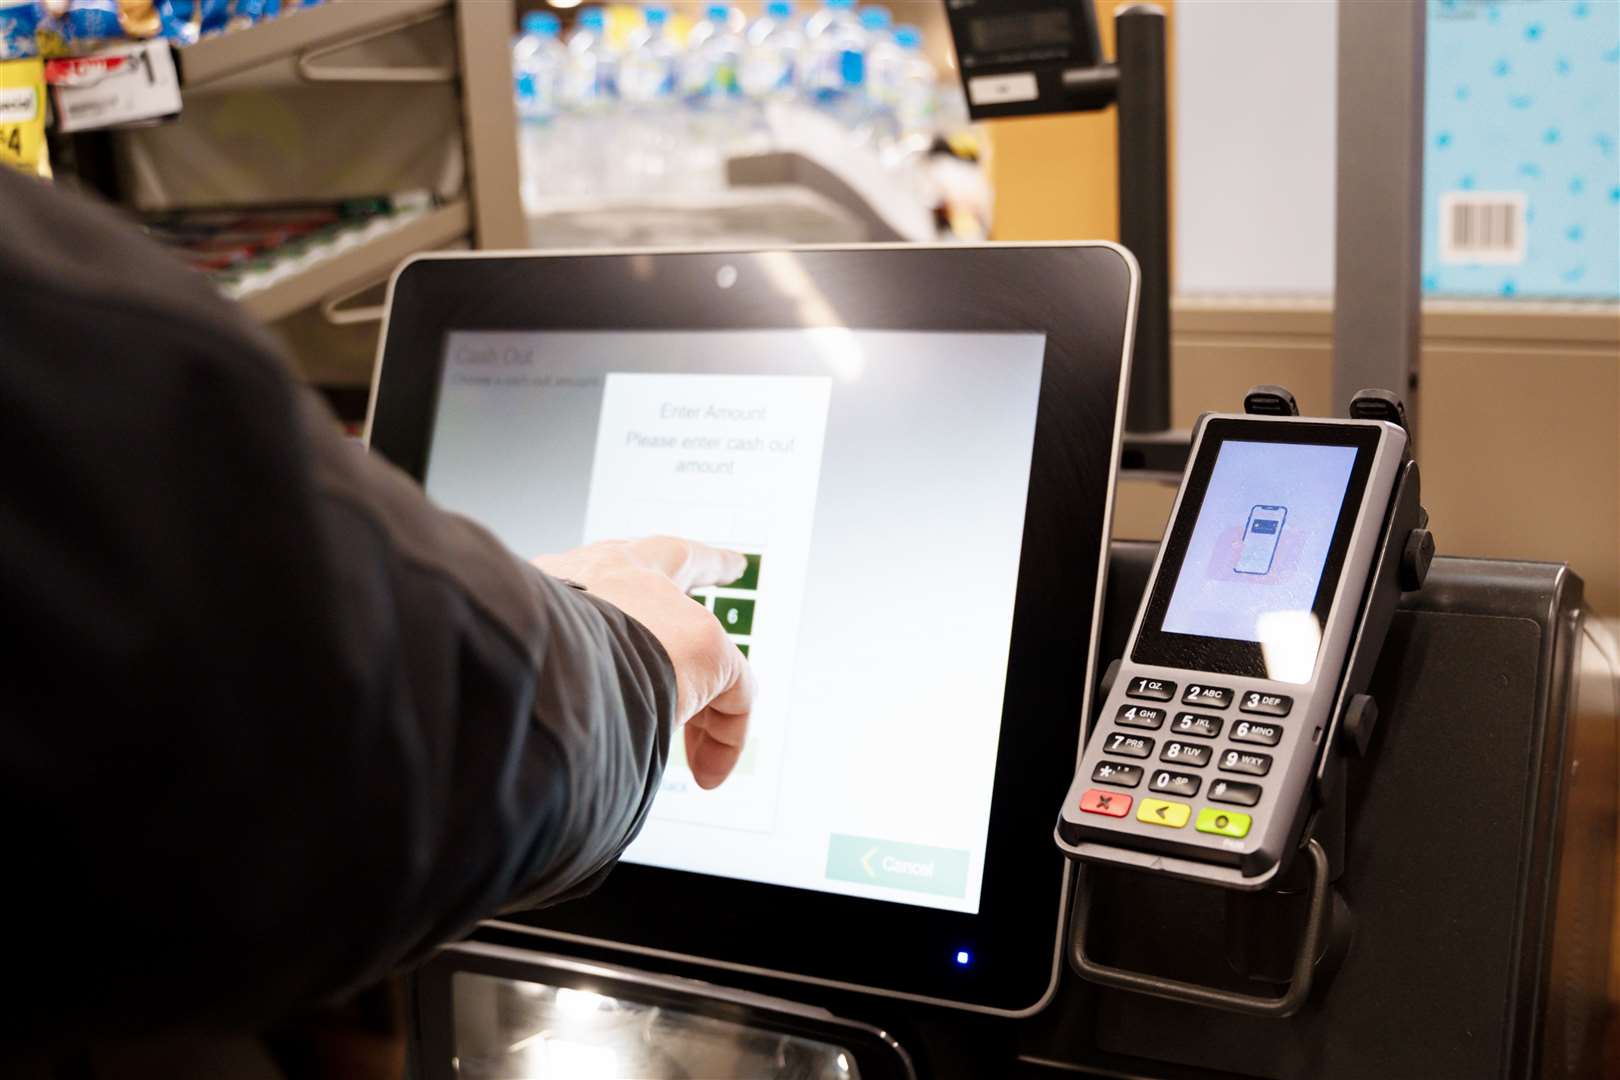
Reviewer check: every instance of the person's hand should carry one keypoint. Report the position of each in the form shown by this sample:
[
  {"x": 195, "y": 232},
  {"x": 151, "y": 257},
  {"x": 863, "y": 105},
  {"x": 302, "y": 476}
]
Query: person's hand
[{"x": 649, "y": 581}]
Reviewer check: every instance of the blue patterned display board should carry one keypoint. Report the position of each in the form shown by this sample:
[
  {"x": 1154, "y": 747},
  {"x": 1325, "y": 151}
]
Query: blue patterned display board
[{"x": 1521, "y": 172}]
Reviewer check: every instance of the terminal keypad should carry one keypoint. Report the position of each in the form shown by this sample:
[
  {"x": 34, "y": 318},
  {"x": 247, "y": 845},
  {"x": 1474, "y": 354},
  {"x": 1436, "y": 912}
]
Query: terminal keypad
[{"x": 1199, "y": 739}]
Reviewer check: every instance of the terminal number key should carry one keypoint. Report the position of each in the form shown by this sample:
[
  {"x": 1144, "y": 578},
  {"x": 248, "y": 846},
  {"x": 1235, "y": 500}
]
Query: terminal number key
[
  {"x": 1210, "y": 697},
  {"x": 1240, "y": 761},
  {"x": 1175, "y": 783},
  {"x": 1234, "y": 792},
  {"x": 1192, "y": 755},
  {"x": 1139, "y": 716},
  {"x": 1147, "y": 689},
  {"x": 1250, "y": 731},
  {"x": 1265, "y": 704},
  {"x": 1203, "y": 727},
  {"x": 1117, "y": 773},
  {"x": 1129, "y": 745}
]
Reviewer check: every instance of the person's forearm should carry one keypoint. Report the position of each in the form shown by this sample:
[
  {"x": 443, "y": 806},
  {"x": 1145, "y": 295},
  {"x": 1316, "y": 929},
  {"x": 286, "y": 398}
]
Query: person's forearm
[{"x": 599, "y": 690}]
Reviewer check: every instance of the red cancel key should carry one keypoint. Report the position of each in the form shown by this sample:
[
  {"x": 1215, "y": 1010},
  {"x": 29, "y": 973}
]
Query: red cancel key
[{"x": 1111, "y": 803}]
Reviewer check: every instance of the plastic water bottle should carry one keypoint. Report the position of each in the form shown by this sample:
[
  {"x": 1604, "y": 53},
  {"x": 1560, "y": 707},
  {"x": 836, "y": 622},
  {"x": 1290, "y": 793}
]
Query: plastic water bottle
[
  {"x": 885, "y": 59},
  {"x": 538, "y": 60},
  {"x": 770, "y": 54},
  {"x": 537, "y": 67},
  {"x": 718, "y": 121},
  {"x": 590, "y": 80},
  {"x": 655, "y": 131},
  {"x": 713, "y": 54},
  {"x": 877, "y": 22},
  {"x": 917, "y": 93},
  {"x": 885, "y": 70},
  {"x": 587, "y": 126},
  {"x": 522, "y": 86},
  {"x": 647, "y": 71},
  {"x": 834, "y": 72}
]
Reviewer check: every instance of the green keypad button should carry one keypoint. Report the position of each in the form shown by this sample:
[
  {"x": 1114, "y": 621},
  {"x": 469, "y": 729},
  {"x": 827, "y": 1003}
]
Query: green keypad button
[
  {"x": 736, "y": 615},
  {"x": 704, "y": 600},
  {"x": 750, "y": 578},
  {"x": 1223, "y": 823},
  {"x": 742, "y": 647}
]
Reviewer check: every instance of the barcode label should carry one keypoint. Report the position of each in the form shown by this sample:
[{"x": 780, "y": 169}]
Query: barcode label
[{"x": 1482, "y": 227}]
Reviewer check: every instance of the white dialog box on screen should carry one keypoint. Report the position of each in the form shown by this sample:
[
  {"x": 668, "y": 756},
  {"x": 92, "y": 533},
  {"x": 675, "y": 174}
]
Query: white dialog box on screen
[{"x": 733, "y": 461}]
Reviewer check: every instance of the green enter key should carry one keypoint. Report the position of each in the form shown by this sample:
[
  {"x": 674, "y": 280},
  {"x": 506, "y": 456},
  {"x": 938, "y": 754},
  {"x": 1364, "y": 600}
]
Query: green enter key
[{"x": 941, "y": 871}]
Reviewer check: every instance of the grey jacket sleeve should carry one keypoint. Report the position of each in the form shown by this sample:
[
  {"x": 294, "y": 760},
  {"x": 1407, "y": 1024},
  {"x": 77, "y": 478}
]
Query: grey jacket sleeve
[{"x": 273, "y": 724}]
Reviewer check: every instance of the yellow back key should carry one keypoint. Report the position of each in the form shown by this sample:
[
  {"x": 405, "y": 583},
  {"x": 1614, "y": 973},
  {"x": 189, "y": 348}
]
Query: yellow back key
[{"x": 1172, "y": 815}]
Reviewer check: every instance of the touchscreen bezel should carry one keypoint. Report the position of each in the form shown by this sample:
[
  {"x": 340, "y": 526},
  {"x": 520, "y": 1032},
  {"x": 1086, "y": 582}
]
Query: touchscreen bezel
[
  {"x": 1230, "y": 656},
  {"x": 1082, "y": 297}
]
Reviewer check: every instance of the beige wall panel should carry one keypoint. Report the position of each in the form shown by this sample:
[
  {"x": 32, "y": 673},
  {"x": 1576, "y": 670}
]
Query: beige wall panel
[
  {"x": 1209, "y": 374},
  {"x": 1519, "y": 418},
  {"x": 1520, "y": 451}
]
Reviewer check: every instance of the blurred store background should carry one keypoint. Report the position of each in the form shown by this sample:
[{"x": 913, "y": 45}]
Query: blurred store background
[{"x": 296, "y": 152}]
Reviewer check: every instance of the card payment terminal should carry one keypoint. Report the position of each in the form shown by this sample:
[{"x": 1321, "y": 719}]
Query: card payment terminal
[{"x": 1201, "y": 761}]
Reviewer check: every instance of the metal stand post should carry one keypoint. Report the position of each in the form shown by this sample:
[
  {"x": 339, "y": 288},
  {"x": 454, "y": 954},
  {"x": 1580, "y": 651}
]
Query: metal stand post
[
  {"x": 1144, "y": 205},
  {"x": 1377, "y": 265}
]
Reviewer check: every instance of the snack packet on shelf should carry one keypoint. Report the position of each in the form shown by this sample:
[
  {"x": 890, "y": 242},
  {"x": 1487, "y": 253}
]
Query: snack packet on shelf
[
  {"x": 51, "y": 30},
  {"x": 185, "y": 21},
  {"x": 22, "y": 116},
  {"x": 139, "y": 18},
  {"x": 248, "y": 12},
  {"x": 19, "y": 29},
  {"x": 92, "y": 21}
]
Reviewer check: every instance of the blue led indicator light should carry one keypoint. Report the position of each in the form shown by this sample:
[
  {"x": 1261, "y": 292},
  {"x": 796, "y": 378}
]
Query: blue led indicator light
[{"x": 963, "y": 957}]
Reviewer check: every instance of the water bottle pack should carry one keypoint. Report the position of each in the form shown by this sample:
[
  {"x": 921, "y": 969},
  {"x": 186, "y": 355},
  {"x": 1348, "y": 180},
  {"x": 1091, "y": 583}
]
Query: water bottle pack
[{"x": 662, "y": 111}]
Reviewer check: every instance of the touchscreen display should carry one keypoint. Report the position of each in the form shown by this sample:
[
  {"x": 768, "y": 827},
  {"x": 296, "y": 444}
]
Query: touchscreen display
[
  {"x": 876, "y": 479},
  {"x": 1257, "y": 551}
]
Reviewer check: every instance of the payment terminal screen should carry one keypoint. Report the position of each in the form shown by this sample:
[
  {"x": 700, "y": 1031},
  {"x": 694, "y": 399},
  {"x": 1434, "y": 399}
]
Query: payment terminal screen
[
  {"x": 877, "y": 482},
  {"x": 1257, "y": 551}
]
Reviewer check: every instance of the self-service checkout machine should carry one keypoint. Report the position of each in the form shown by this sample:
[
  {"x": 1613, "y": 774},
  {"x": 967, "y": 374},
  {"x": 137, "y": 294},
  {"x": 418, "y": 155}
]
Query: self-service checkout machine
[{"x": 1289, "y": 796}]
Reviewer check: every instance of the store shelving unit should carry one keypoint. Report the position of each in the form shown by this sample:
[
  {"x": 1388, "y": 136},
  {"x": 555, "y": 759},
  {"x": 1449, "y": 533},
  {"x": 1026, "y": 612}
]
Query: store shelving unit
[
  {"x": 296, "y": 34},
  {"x": 321, "y": 81},
  {"x": 326, "y": 280}
]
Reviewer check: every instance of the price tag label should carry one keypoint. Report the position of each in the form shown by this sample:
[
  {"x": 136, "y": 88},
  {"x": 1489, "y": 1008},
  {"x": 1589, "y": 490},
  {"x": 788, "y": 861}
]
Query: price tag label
[
  {"x": 22, "y": 116},
  {"x": 126, "y": 85}
]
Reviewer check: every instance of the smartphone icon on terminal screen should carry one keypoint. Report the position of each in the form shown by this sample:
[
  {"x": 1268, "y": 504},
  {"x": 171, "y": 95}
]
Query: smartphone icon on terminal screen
[{"x": 1260, "y": 538}]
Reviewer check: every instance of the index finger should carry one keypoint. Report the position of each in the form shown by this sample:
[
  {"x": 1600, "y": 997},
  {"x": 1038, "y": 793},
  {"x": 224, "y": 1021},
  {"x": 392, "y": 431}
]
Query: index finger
[{"x": 690, "y": 564}]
